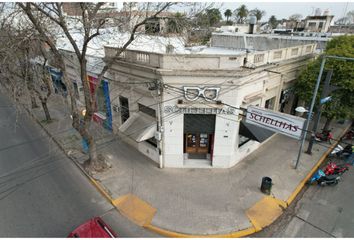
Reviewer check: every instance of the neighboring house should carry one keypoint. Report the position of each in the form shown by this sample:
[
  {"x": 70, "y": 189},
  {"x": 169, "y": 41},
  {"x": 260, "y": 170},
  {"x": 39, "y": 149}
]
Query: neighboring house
[
  {"x": 342, "y": 29},
  {"x": 318, "y": 23},
  {"x": 181, "y": 106},
  {"x": 238, "y": 28},
  {"x": 95, "y": 64}
]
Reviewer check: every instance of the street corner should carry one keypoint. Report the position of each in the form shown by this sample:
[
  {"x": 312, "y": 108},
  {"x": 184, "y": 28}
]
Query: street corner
[
  {"x": 135, "y": 209},
  {"x": 265, "y": 212}
]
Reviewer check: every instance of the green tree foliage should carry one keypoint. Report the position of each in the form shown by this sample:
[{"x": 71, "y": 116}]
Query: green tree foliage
[
  {"x": 214, "y": 16},
  {"x": 342, "y": 103},
  {"x": 209, "y": 18},
  {"x": 258, "y": 13},
  {"x": 241, "y": 13},
  {"x": 228, "y": 14},
  {"x": 273, "y": 22}
]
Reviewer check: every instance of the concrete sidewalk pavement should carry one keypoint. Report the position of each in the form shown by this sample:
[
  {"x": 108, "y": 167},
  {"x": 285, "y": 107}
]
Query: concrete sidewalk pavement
[{"x": 193, "y": 202}]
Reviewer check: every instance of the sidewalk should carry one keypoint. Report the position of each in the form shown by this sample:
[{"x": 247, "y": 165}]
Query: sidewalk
[{"x": 193, "y": 201}]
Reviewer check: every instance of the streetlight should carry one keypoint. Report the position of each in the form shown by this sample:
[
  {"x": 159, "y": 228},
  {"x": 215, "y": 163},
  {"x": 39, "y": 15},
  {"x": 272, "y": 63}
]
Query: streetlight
[{"x": 301, "y": 109}]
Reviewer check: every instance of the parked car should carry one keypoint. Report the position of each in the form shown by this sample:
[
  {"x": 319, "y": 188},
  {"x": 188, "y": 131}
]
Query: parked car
[{"x": 94, "y": 228}]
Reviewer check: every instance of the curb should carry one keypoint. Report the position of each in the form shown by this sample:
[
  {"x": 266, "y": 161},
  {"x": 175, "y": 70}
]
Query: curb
[
  {"x": 313, "y": 170},
  {"x": 167, "y": 233},
  {"x": 93, "y": 181}
]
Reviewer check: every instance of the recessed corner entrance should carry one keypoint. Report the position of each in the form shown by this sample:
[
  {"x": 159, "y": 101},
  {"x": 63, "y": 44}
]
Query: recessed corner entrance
[{"x": 199, "y": 136}]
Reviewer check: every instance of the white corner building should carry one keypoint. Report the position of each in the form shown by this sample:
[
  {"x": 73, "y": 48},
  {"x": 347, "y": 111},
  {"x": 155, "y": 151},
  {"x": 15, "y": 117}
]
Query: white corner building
[{"x": 184, "y": 107}]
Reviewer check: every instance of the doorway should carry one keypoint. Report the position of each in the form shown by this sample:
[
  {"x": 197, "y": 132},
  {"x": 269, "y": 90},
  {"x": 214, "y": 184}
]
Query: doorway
[
  {"x": 124, "y": 105},
  {"x": 198, "y": 136}
]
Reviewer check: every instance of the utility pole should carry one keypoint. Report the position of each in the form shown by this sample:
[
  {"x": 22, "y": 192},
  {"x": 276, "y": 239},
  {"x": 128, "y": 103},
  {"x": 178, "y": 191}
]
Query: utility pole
[
  {"x": 317, "y": 118},
  {"x": 310, "y": 111}
]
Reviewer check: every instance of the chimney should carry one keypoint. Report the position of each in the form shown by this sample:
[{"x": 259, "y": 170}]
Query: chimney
[{"x": 253, "y": 21}]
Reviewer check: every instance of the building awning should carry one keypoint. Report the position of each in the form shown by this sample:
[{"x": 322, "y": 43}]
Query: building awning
[
  {"x": 139, "y": 127},
  {"x": 254, "y": 132}
]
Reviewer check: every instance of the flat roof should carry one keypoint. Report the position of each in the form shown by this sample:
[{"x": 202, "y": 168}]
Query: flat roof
[
  {"x": 274, "y": 36},
  {"x": 217, "y": 50}
]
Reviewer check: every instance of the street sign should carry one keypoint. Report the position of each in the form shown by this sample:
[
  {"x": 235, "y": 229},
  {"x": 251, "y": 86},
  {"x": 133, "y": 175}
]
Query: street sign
[
  {"x": 326, "y": 99},
  {"x": 286, "y": 124}
]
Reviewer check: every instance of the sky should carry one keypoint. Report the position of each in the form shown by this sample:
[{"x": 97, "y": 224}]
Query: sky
[
  {"x": 286, "y": 9},
  {"x": 283, "y": 9}
]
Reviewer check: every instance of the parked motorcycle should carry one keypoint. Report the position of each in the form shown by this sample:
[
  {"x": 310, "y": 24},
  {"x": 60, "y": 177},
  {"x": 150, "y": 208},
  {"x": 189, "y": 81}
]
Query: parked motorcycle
[
  {"x": 335, "y": 169},
  {"x": 324, "y": 136},
  {"x": 349, "y": 135},
  {"x": 339, "y": 151},
  {"x": 336, "y": 151},
  {"x": 322, "y": 179}
]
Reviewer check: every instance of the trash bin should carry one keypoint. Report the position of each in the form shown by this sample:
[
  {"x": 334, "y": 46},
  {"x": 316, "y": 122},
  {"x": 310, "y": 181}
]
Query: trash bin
[{"x": 266, "y": 185}]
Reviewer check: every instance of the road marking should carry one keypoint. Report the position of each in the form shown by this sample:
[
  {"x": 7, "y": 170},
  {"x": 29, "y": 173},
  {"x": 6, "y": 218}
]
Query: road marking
[
  {"x": 265, "y": 212},
  {"x": 137, "y": 210}
]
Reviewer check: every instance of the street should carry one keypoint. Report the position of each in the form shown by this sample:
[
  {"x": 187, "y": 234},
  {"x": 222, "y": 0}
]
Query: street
[
  {"x": 321, "y": 212},
  {"x": 42, "y": 193}
]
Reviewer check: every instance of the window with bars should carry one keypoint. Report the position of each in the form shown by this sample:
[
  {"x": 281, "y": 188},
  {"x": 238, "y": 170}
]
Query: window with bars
[{"x": 258, "y": 58}]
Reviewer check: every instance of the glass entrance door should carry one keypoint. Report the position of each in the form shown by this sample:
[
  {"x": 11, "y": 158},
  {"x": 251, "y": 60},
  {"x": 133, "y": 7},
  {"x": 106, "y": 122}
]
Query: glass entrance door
[{"x": 197, "y": 143}]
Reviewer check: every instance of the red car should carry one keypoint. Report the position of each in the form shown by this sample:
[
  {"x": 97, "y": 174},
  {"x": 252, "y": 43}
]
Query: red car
[{"x": 94, "y": 228}]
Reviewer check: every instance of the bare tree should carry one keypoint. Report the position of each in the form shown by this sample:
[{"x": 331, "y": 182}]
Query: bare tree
[
  {"x": 90, "y": 24},
  {"x": 21, "y": 47},
  {"x": 296, "y": 17}
]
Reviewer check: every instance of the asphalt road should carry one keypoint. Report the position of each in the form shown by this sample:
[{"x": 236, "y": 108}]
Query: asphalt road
[
  {"x": 321, "y": 212},
  {"x": 42, "y": 193}
]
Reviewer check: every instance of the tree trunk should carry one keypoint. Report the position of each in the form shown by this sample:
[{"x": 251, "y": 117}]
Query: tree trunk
[
  {"x": 46, "y": 110},
  {"x": 328, "y": 122},
  {"x": 96, "y": 162}
]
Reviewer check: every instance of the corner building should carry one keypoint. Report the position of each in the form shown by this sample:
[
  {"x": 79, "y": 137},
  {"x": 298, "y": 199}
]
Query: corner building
[{"x": 183, "y": 108}]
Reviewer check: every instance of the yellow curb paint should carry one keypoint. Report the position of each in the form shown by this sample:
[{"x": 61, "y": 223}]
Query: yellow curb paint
[
  {"x": 313, "y": 170},
  {"x": 135, "y": 209},
  {"x": 101, "y": 189},
  {"x": 265, "y": 211},
  {"x": 166, "y": 233}
]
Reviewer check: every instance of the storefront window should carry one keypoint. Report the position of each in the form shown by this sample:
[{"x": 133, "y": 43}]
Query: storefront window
[
  {"x": 101, "y": 103},
  {"x": 270, "y": 103}
]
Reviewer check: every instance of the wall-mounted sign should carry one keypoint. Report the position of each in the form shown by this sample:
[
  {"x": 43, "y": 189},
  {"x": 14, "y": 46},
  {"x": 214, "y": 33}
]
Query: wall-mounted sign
[
  {"x": 275, "y": 121},
  {"x": 195, "y": 110},
  {"x": 208, "y": 93}
]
